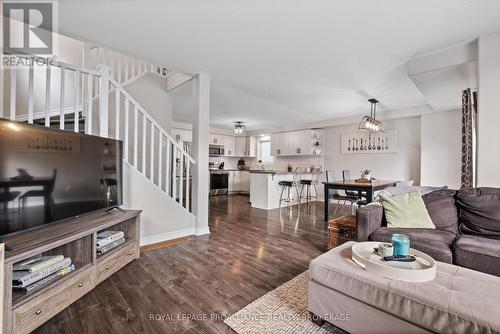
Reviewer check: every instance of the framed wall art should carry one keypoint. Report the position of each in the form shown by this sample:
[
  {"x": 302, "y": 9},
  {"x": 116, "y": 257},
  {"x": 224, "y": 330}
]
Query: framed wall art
[{"x": 369, "y": 142}]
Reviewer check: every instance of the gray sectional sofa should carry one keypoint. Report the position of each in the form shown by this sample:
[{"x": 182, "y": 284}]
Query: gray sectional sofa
[{"x": 467, "y": 228}]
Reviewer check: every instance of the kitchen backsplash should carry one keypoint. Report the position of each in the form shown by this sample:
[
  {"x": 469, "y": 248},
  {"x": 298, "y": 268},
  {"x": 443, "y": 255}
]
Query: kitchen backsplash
[
  {"x": 232, "y": 162},
  {"x": 279, "y": 163}
]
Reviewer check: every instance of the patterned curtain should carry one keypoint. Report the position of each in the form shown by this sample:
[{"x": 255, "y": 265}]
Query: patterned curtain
[{"x": 469, "y": 109}]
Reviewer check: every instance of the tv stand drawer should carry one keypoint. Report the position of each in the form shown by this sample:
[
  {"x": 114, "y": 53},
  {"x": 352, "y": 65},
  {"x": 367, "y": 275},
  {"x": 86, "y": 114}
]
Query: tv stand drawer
[
  {"x": 29, "y": 316},
  {"x": 117, "y": 260}
]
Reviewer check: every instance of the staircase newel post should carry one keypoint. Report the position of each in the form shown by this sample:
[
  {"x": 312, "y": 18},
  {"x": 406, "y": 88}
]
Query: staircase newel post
[{"x": 103, "y": 100}]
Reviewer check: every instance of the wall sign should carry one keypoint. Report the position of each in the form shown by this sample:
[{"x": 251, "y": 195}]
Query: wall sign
[{"x": 369, "y": 143}]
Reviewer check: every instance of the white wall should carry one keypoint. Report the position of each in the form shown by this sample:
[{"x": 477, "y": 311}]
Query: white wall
[
  {"x": 489, "y": 111},
  {"x": 441, "y": 149},
  {"x": 404, "y": 165},
  {"x": 150, "y": 92},
  {"x": 442, "y": 75},
  {"x": 162, "y": 218}
]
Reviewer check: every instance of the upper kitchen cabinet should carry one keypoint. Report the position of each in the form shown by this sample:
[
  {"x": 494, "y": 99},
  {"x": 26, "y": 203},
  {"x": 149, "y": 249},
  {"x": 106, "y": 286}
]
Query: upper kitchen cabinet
[
  {"x": 299, "y": 142},
  {"x": 252, "y": 146},
  {"x": 215, "y": 139},
  {"x": 241, "y": 146},
  {"x": 304, "y": 142},
  {"x": 182, "y": 135},
  {"x": 246, "y": 146},
  {"x": 229, "y": 145},
  {"x": 279, "y": 144}
]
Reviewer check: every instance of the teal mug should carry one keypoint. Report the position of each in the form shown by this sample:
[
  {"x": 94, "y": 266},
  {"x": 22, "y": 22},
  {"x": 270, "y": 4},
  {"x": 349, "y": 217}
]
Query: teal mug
[{"x": 400, "y": 244}]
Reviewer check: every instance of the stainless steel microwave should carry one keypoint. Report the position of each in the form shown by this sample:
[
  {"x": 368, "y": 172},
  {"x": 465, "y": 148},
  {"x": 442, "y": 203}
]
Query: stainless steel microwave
[{"x": 215, "y": 150}]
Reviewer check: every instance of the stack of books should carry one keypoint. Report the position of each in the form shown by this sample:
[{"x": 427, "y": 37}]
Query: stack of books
[
  {"x": 107, "y": 240},
  {"x": 34, "y": 273}
]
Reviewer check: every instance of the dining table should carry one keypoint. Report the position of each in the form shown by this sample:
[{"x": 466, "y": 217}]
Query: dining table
[{"x": 367, "y": 188}]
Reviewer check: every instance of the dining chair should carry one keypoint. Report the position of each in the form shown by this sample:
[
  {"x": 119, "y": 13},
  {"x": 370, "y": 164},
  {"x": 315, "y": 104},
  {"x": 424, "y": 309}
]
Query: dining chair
[
  {"x": 333, "y": 194},
  {"x": 346, "y": 175}
]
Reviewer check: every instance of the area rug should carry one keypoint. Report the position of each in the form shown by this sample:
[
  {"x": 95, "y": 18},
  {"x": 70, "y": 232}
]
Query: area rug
[{"x": 283, "y": 310}]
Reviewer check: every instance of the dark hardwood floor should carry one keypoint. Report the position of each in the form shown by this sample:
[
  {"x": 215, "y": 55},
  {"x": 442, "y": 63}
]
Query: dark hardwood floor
[{"x": 248, "y": 253}]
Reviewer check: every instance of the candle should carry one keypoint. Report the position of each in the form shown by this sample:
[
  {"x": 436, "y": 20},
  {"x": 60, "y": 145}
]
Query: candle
[{"x": 401, "y": 244}]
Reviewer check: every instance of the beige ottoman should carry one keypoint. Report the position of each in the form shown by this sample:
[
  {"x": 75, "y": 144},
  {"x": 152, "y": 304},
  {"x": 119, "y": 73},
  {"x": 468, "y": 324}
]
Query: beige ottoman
[{"x": 458, "y": 300}]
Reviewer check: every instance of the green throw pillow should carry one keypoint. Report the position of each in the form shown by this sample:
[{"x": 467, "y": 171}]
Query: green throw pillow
[{"x": 406, "y": 211}]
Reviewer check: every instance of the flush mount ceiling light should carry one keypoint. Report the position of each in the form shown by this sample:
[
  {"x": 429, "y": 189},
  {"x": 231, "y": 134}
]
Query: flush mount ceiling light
[
  {"x": 239, "y": 127},
  {"x": 370, "y": 123}
]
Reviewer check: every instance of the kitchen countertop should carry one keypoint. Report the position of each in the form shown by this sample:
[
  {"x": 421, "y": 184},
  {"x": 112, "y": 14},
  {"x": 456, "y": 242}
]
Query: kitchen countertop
[
  {"x": 257, "y": 171},
  {"x": 274, "y": 172},
  {"x": 227, "y": 170}
]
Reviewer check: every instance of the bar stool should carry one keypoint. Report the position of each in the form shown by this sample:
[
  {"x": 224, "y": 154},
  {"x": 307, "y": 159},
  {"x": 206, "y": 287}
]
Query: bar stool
[
  {"x": 308, "y": 183},
  {"x": 288, "y": 185}
]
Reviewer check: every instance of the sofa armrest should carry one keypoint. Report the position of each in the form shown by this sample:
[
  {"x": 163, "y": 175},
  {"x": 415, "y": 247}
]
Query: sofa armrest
[{"x": 368, "y": 219}]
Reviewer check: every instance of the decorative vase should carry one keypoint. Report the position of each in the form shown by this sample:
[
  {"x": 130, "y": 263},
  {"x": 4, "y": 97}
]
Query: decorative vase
[{"x": 366, "y": 176}]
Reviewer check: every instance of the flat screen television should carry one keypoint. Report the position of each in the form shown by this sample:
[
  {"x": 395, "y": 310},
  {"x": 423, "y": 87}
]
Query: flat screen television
[{"x": 49, "y": 175}]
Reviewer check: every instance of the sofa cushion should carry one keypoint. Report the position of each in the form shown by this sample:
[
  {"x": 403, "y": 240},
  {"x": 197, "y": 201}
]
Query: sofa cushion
[
  {"x": 433, "y": 242},
  {"x": 441, "y": 207},
  {"x": 480, "y": 211},
  {"x": 458, "y": 300},
  {"x": 478, "y": 253},
  {"x": 406, "y": 211}
]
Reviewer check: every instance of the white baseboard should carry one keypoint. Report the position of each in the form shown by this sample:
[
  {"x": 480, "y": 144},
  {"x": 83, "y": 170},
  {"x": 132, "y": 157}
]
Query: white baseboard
[
  {"x": 202, "y": 231},
  {"x": 153, "y": 239}
]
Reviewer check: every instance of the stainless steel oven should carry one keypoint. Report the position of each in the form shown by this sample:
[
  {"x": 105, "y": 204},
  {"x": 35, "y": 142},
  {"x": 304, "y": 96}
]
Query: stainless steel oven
[
  {"x": 216, "y": 150},
  {"x": 219, "y": 182}
]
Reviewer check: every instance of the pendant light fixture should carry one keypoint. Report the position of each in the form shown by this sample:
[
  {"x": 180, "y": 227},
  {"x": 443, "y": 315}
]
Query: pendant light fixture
[
  {"x": 370, "y": 123},
  {"x": 239, "y": 128}
]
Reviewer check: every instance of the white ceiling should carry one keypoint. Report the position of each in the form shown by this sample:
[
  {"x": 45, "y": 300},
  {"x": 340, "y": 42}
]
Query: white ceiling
[{"x": 274, "y": 63}]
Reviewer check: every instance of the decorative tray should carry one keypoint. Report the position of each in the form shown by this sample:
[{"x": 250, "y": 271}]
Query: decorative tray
[{"x": 421, "y": 270}]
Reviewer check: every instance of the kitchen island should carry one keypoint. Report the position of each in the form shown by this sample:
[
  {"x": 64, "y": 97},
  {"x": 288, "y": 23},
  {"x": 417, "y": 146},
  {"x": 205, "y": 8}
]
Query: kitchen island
[{"x": 265, "y": 190}]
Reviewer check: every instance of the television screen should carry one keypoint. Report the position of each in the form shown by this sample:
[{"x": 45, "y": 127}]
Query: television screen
[{"x": 47, "y": 175}]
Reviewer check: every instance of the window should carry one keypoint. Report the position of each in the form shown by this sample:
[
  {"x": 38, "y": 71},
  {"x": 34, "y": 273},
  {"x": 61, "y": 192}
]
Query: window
[{"x": 265, "y": 150}]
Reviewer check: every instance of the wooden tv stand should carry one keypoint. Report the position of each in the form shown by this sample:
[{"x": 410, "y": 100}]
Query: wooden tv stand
[{"x": 74, "y": 238}]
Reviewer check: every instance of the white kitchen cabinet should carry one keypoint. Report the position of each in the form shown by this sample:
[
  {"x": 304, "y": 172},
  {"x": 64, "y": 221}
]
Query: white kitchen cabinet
[
  {"x": 244, "y": 184},
  {"x": 231, "y": 182},
  {"x": 246, "y": 146},
  {"x": 300, "y": 142},
  {"x": 183, "y": 135},
  {"x": 296, "y": 143},
  {"x": 241, "y": 146},
  {"x": 215, "y": 139},
  {"x": 239, "y": 182},
  {"x": 229, "y": 146},
  {"x": 275, "y": 143},
  {"x": 251, "y": 148},
  {"x": 279, "y": 144}
]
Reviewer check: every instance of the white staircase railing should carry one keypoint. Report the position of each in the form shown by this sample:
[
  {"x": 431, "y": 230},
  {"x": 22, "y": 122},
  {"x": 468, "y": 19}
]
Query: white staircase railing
[
  {"x": 111, "y": 113},
  {"x": 162, "y": 159},
  {"x": 123, "y": 68}
]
